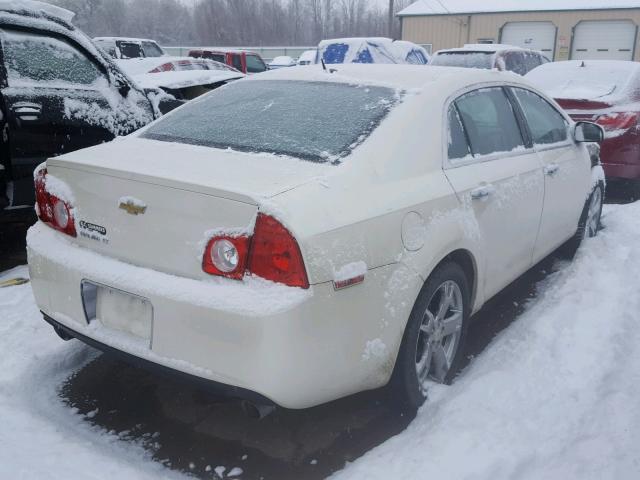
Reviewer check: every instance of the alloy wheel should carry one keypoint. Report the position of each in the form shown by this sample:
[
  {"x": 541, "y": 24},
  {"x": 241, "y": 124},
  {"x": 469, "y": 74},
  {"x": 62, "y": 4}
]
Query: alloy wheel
[
  {"x": 439, "y": 335},
  {"x": 593, "y": 214}
]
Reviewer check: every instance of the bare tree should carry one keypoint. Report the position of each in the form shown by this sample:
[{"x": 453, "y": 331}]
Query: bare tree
[{"x": 235, "y": 22}]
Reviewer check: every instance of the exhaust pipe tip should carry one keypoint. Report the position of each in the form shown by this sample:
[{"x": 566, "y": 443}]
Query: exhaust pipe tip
[{"x": 257, "y": 412}]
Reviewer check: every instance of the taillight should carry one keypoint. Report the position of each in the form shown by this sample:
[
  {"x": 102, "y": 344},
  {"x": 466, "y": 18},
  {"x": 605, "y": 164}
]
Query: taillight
[
  {"x": 165, "y": 67},
  {"x": 271, "y": 253},
  {"x": 275, "y": 254},
  {"x": 226, "y": 256},
  {"x": 52, "y": 210},
  {"x": 618, "y": 120}
]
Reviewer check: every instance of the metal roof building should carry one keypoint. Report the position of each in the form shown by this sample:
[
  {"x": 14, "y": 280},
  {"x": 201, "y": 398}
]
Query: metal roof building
[{"x": 562, "y": 29}]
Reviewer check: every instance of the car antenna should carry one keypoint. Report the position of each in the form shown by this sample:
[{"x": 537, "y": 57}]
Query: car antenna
[{"x": 324, "y": 67}]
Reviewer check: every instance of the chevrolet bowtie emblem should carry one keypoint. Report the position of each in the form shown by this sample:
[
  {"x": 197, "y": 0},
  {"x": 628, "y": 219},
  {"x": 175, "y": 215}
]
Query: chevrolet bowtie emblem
[{"x": 133, "y": 208}]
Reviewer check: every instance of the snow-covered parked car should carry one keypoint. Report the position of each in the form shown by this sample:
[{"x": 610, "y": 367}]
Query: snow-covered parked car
[
  {"x": 184, "y": 78},
  {"x": 507, "y": 58},
  {"x": 299, "y": 236},
  {"x": 123, "y": 47},
  {"x": 308, "y": 57},
  {"x": 371, "y": 50},
  {"x": 283, "y": 61},
  {"x": 606, "y": 92},
  {"x": 60, "y": 93}
]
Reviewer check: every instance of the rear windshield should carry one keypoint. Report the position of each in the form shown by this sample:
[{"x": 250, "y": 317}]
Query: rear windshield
[
  {"x": 130, "y": 50},
  {"x": 151, "y": 49},
  {"x": 464, "y": 59},
  {"x": 584, "y": 80},
  {"x": 317, "y": 121}
]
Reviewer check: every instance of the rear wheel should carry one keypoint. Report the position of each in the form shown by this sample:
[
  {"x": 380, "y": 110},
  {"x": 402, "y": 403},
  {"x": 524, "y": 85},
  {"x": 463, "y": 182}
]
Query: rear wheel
[
  {"x": 589, "y": 221},
  {"x": 431, "y": 348}
]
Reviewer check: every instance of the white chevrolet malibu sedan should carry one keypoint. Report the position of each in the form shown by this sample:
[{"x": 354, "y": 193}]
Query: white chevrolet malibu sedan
[{"x": 303, "y": 235}]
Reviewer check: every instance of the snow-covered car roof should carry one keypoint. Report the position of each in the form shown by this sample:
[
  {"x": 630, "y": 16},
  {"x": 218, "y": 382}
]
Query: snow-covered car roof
[
  {"x": 371, "y": 50},
  {"x": 400, "y": 77},
  {"x": 308, "y": 56},
  {"x": 438, "y": 7},
  {"x": 283, "y": 61},
  {"x": 185, "y": 79},
  {"x": 37, "y": 8},
  {"x": 138, "y": 66},
  {"x": 221, "y": 50},
  {"x": 481, "y": 47},
  {"x": 122, "y": 39},
  {"x": 603, "y": 80}
]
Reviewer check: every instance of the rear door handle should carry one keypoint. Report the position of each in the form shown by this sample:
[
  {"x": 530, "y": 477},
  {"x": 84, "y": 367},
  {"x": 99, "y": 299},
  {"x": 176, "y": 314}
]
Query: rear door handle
[
  {"x": 482, "y": 192},
  {"x": 27, "y": 110},
  {"x": 551, "y": 169}
]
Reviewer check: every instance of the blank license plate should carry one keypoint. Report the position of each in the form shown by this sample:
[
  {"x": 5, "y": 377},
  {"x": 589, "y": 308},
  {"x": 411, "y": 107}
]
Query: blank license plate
[{"x": 124, "y": 312}]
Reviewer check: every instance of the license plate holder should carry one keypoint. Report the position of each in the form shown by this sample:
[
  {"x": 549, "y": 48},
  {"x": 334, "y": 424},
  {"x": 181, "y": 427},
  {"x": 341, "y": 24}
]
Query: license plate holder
[{"x": 118, "y": 310}]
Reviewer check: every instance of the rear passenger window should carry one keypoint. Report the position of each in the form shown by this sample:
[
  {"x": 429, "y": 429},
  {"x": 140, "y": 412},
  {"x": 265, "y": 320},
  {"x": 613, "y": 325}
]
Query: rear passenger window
[
  {"x": 34, "y": 59},
  {"x": 489, "y": 121},
  {"x": 236, "y": 60},
  {"x": 547, "y": 125},
  {"x": 515, "y": 62},
  {"x": 458, "y": 145}
]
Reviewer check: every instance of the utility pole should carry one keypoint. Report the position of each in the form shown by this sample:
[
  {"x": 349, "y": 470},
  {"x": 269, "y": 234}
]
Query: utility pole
[{"x": 390, "y": 26}]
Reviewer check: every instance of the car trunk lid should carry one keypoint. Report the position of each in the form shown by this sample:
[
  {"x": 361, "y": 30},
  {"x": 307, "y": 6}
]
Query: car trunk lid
[{"x": 156, "y": 204}]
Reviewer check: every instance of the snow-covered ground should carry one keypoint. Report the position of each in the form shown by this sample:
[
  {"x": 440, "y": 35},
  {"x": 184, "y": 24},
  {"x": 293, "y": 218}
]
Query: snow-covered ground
[{"x": 555, "y": 396}]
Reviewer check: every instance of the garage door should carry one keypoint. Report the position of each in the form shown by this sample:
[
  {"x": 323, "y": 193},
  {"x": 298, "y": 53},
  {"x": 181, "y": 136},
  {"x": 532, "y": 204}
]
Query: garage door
[
  {"x": 608, "y": 40},
  {"x": 535, "y": 35}
]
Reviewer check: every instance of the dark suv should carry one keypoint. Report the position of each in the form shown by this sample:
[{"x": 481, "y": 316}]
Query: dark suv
[
  {"x": 58, "y": 93},
  {"x": 491, "y": 56}
]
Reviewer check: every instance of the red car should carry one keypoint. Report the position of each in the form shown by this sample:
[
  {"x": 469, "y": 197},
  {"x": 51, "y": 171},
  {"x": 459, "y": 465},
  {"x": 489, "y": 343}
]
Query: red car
[
  {"x": 243, "y": 60},
  {"x": 608, "y": 93}
]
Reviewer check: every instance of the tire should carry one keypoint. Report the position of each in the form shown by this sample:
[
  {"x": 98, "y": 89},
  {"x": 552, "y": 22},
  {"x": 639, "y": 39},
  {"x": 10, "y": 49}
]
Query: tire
[
  {"x": 426, "y": 342},
  {"x": 589, "y": 224}
]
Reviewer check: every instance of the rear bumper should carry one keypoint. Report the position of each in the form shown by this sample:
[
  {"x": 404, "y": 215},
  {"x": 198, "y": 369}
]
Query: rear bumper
[
  {"x": 209, "y": 385},
  {"x": 293, "y": 347}
]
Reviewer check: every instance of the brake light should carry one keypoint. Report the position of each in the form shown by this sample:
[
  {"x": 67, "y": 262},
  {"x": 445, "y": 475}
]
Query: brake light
[
  {"x": 52, "y": 210},
  {"x": 165, "y": 67},
  {"x": 275, "y": 254},
  {"x": 271, "y": 253},
  {"x": 226, "y": 256},
  {"x": 618, "y": 120}
]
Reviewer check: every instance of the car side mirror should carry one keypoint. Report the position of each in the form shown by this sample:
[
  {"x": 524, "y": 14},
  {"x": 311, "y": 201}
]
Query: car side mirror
[
  {"x": 588, "y": 132},
  {"x": 123, "y": 87}
]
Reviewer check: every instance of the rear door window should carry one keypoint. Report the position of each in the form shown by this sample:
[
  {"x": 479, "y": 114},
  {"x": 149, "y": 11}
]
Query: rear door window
[
  {"x": 489, "y": 121},
  {"x": 236, "y": 61},
  {"x": 458, "y": 144},
  {"x": 151, "y": 49},
  {"x": 546, "y": 124},
  {"x": 255, "y": 65},
  {"x": 31, "y": 58},
  {"x": 515, "y": 62},
  {"x": 130, "y": 49}
]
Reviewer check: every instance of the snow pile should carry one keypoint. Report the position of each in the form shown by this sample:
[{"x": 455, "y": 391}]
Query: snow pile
[
  {"x": 39, "y": 433},
  {"x": 554, "y": 396}
]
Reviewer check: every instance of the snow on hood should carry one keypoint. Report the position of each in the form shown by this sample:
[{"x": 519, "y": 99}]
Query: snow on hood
[
  {"x": 585, "y": 80},
  {"x": 38, "y": 7},
  {"x": 189, "y": 78}
]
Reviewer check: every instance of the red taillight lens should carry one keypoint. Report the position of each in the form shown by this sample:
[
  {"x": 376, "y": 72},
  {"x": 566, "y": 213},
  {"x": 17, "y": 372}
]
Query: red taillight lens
[
  {"x": 226, "y": 256},
  {"x": 272, "y": 253},
  {"x": 51, "y": 210},
  {"x": 275, "y": 254},
  {"x": 165, "y": 67},
  {"x": 618, "y": 120}
]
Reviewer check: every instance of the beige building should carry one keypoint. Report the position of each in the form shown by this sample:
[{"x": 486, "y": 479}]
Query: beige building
[{"x": 562, "y": 29}]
